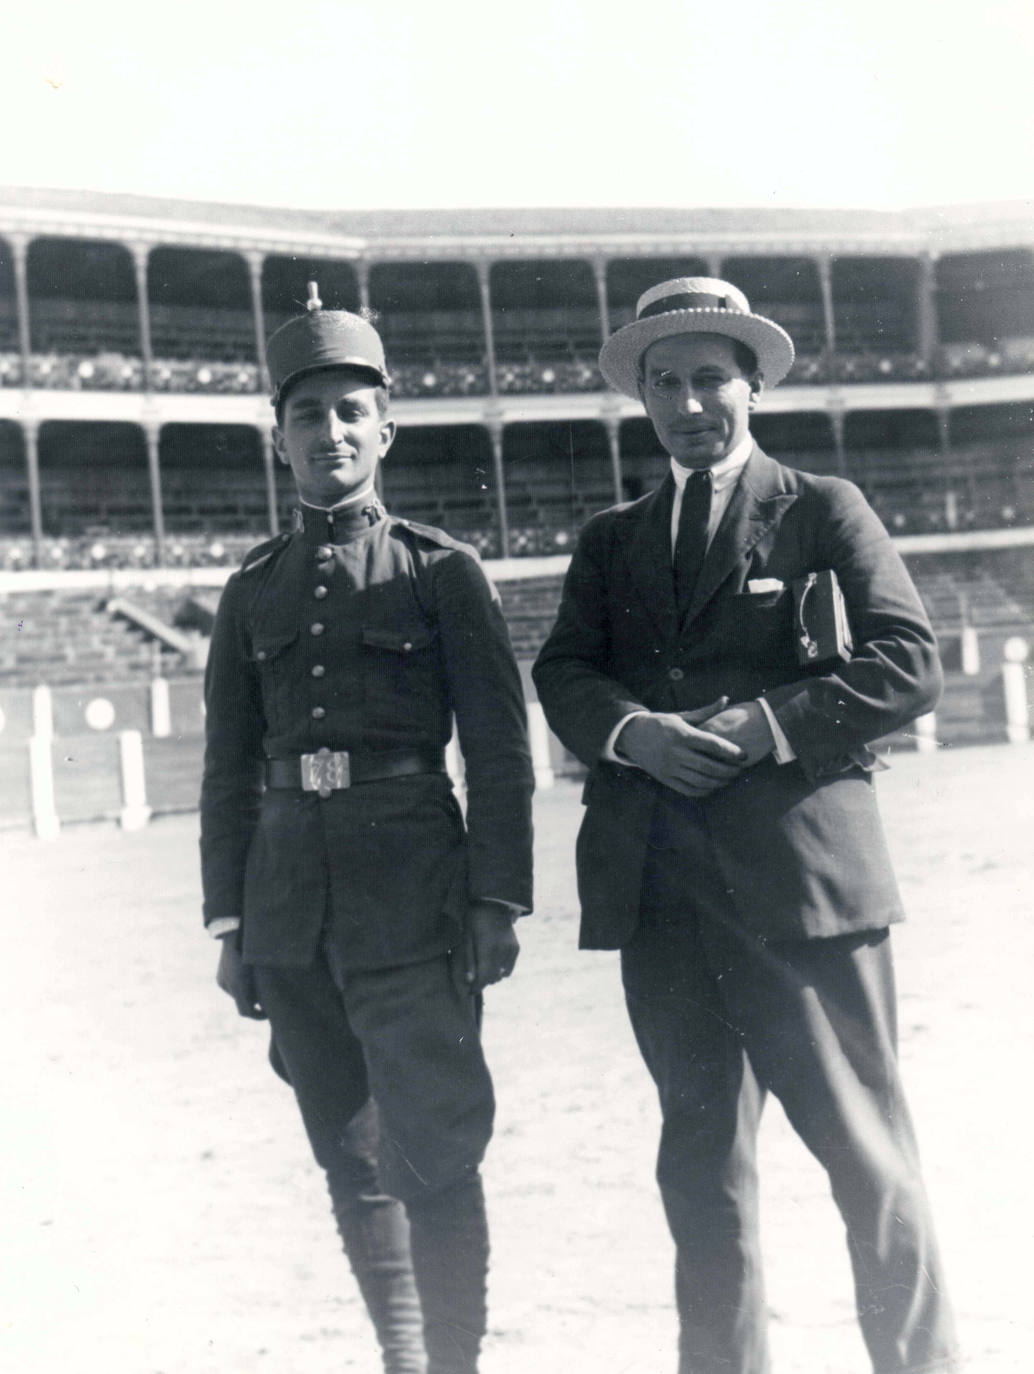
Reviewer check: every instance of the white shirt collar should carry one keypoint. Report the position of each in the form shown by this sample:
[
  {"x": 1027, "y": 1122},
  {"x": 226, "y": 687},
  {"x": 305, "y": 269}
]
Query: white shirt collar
[
  {"x": 725, "y": 472},
  {"x": 356, "y": 496}
]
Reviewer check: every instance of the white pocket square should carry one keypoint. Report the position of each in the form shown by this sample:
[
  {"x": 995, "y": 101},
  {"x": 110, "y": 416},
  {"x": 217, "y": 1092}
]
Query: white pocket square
[{"x": 765, "y": 584}]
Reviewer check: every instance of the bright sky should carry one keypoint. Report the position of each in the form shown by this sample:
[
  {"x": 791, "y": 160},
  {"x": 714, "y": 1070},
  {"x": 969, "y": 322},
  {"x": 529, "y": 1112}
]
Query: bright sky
[{"x": 333, "y": 104}]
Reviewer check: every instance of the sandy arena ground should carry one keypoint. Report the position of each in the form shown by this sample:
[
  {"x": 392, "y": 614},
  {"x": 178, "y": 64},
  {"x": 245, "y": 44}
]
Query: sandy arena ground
[{"x": 162, "y": 1216}]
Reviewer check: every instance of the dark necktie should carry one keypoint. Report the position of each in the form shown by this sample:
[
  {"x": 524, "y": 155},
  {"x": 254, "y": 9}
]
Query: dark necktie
[{"x": 691, "y": 539}]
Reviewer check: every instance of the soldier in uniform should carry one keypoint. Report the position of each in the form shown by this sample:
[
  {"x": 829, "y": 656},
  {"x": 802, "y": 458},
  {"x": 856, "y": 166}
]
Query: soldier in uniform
[{"x": 357, "y": 910}]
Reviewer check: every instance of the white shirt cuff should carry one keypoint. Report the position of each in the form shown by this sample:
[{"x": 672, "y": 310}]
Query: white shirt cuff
[
  {"x": 223, "y": 925},
  {"x": 783, "y": 748},
  {"x": 608, "y": 753},
  {"x": 512, "y": 909}
]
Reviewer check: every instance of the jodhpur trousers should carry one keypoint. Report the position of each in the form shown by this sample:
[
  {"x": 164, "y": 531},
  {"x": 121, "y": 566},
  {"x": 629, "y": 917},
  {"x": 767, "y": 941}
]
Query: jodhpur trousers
[{"x": 408, "y": 1039}]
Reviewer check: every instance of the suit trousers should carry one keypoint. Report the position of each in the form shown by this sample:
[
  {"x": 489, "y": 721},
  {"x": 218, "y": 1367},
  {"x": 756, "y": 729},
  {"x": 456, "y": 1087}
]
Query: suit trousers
[
  {"x": 723, "y": 1017},
  {"x": 406, "y": 1039}
]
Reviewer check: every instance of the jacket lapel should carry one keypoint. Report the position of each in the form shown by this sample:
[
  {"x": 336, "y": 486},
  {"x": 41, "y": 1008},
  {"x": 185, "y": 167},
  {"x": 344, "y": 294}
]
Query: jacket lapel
[
  {"x": 645, "y": 532},
  {"x": 758, "y": 502}
]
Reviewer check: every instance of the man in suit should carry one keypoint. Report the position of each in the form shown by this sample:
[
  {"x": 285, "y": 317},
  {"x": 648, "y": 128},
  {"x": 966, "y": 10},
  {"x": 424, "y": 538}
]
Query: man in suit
[
  {"x": 357, "y": 911},
  {"x": 731, "y": 846}
]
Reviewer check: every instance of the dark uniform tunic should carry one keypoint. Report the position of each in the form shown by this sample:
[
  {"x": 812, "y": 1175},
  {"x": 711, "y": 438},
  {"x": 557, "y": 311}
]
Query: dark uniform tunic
[
  {"x": 366, "y": 633},
  {"x": 362, "y": 637}
]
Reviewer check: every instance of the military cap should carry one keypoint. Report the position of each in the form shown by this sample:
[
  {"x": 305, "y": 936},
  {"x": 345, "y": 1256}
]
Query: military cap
[{"x": 321, "y": 339}]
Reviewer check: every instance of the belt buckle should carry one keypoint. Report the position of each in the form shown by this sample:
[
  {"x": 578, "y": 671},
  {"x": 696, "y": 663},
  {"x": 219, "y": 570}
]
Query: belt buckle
[{"x": 325, "y": 771}]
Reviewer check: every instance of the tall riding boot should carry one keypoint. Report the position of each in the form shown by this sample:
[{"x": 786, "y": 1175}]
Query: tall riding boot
[
  {"x": 449, "y": 1242},
  {"x": 375, "y": 1234}
]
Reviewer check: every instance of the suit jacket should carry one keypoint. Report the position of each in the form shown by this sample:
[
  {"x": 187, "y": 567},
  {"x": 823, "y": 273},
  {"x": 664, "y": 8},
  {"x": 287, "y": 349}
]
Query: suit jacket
[
  {"x": 799, "y": 845},
  {"x": 369, "y": 635}
]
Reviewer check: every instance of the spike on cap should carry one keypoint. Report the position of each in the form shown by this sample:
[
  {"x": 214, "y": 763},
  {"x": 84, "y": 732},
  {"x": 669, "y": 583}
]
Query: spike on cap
[{"x": 314, "y": 302}]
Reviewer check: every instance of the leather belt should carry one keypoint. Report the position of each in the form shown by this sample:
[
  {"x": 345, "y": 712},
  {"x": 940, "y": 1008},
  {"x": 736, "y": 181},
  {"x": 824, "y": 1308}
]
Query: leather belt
[{"x": 331, "y": 770}]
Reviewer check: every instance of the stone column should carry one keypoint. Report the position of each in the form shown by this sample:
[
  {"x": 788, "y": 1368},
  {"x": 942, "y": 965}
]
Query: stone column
[
  {"x": 255, "y": 261},
  {"x": 825, "y": 266},
  {"x": 362, "y": 272},
  {"x": 269, "y": 468},
  {"x": 20, "y": 253},
  {"x": 141, "y": 253},
  {"x": 836, "y": 419},
  {"x": 612, "y": 424},
  {"x": 599, "y": 269},
  {"x": 153, "y": 433},
  {"x": 926, "y": 305},
  {"x": 486, "y": 321},
  {"x": 495, "y": 434},
  {"x": 943, "y": 413},
  {"x": 30, "y": 429}
]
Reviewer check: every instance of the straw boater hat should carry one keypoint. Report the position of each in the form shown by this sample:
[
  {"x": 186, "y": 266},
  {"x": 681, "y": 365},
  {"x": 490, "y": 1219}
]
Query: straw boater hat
[{"x": 694, "y": 305}]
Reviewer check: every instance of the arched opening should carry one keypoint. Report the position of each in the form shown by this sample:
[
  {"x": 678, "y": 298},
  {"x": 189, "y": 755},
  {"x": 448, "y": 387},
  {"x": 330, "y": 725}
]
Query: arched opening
[
  {"x": 443, "y": 475},
  {"x": 546, "y": 325},
  {"x": 985, "y": 311},
  {"x": 84, "y": 321},
  {"x": 876, "y": 317},
  {"x": 213, "y": 481},
  {"x": 431, "y": 323},
  {"x": 558, "y": 473},
  {"x": 94, "y": 481},
  {"x": 15, "y": 517},
  {"x": 202, "y": 324},
  {"x": 895, "y": 457},
  {"x": 993, "y": 446},
  {"x": 10, "y": 347}
]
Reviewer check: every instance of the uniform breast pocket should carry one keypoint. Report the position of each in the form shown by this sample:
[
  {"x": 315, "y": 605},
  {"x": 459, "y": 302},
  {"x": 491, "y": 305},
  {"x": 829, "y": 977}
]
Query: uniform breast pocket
[
  {"x": 759, "y": 625},
  {"x": 271, "y": 659},
  {"x": 398, "y": 671}
]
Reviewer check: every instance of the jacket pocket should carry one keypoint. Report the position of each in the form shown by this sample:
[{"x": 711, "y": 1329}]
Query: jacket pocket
[
  {"x": 399, "y": 679},
  {"x": 270, "y": 658},
  {"x": 408, "y": 641},
  {"x": 757, "y": 627}
]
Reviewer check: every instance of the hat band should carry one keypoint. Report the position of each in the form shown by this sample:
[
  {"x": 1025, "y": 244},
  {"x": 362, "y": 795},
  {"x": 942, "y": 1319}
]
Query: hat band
[{"x": 688, "y": 300}]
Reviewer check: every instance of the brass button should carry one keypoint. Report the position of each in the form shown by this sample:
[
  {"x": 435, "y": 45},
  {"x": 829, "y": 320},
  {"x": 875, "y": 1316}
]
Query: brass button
[
  {"x": 318, "y": 712},
  {"x": 320, "y": 592},
  {"x": 261, "y": 655},
  {"x": 323, "y": 553},
  {"x": 318, "y": 670},
  {"x": 316, "y": 628},
  {"x": 676, "y": 674}
]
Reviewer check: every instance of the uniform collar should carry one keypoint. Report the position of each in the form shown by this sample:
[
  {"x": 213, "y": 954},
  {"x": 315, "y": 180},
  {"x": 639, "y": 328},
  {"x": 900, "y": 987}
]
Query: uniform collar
[{"x": 340, "y": 524}]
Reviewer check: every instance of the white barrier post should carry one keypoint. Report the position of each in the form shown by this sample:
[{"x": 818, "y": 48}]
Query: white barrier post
[
  {"x": 454, "y": 762},
  {"x": 161, "y": 714},
  {"x": 45, "y": 820},
  {"x": 970, "y": 648},
  {"x": 135, "y": 812},
  {"x": 1014, "y": 685},
  {"x": 538, "y": 738},
  {"x": 926, "y": 733}
]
